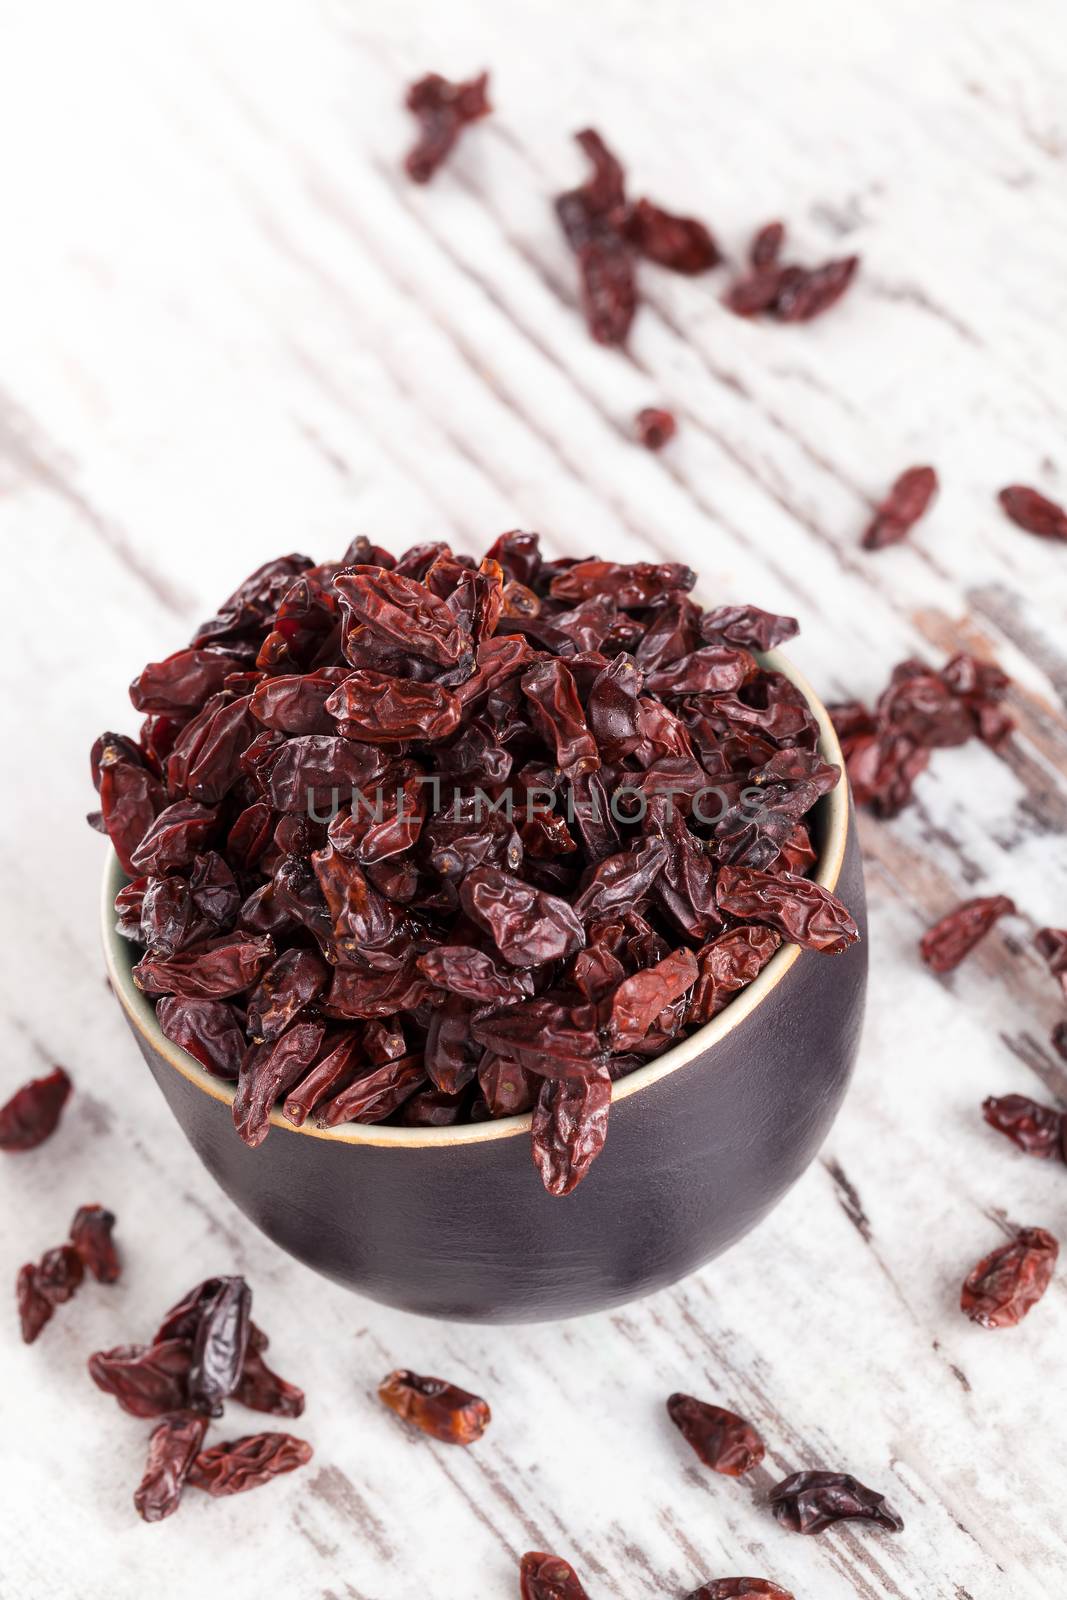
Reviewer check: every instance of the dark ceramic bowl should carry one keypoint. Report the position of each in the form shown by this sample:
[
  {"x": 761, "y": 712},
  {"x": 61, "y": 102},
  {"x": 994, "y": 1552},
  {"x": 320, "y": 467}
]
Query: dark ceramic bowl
[{"x": 454, "y": 1222}]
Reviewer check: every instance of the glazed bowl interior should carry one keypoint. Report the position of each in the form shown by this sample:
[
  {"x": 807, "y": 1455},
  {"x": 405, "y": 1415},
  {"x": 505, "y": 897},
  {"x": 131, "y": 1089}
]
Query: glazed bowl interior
[{"x": 829, "y": 827}]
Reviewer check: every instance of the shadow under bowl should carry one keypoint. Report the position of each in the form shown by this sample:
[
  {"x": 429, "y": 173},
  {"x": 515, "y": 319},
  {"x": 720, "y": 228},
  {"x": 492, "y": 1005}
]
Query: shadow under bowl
[{"x": 454, "y": 1222}]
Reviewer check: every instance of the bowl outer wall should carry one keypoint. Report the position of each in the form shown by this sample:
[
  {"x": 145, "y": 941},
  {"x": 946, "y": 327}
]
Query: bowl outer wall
[{"x": 465, "y": 1230}]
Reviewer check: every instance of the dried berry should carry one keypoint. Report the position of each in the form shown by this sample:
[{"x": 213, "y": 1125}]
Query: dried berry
[
  {"x": 435, "y": 846},
  {"x": 545, "y": 1577},
  {"x": 438, "y": 1408},
  {"x": 887, "y": 748},
  {"x": 32, "y": 1114},
  {"x": 443, "y": 110},
  {"x": 570, "y": 1125},
  {"x": 740, "y": 1589},
  {"x": 34, "y": 1307},
  {"x": 219, "y": 1346},
  {"x": 946, "y": 944},
  {"x": 261, "y": 1389},
  {"x": 90, "y": 1234},
  {"x": 792, "y": 293},
  {"x": 901, "y": 509},
  {"x": 655, "y": 427},
  {"x": 809, "y": 1502},
  {"x": 1030, "y": 509},
  {"x": 801, "y": 911},
  {"x": 146, "y": 1382},
  {"x": 248, "y": 1463},
  {"x": 1008, "y": 1282},
  {"x": 807, "y": 293},
  {"x": 724, "y": 1441},
  {"x": 1036, "y": 1129},
  {"x": 681, "y": 243},
  {"x": 172, "y": 1449}
]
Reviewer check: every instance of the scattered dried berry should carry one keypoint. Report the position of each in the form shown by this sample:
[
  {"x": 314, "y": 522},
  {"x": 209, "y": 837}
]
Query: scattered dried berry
[
  {"x": 261, "y": 1389},
  {"x": 740, "y": 1589},
  {"x": 1030, "y": 509},
  {"x": 205, "y": 1351},
  {"x": 724, "y": 1441},
  {"x": 59, "y": 1273},
  {"x": 90, "y": 1234},
  {"x": 792, "y": 293},
  {"x": 172, "y": 1450},
  {"x": 32, "y": 1113},
  {"x": 946, "y": 944},
  {"x": 34, "y": 1307},
  {"x": 545, "y": 1577},
  {"x": 888, "y": 748},
  {"x": 219, "y": 1345},
  {"x": 146, "y": 1382},
  {"x": 901, "y": 509},
  {"x": 1008, "y": 1282},
  {"x": 655, "y": 427},
  {"x": 681, "y": 243},
  {"x": 452, "y": 839},
  {"x": 248, "y": 1463},
  {"x": 1036, "y": 1129},
  {"x": 605, "y": 233},
  {"x": 438, "y": 1408},
  {"x": 443, "y": 110},
  {"x": 809, "y": 1502},
  {"x": 1052, "y": 944}
]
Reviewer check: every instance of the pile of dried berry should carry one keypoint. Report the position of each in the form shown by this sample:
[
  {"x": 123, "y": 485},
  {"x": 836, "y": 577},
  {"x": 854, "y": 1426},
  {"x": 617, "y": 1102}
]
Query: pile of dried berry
[
  {"x": 437, "y": 840},
  {"x": 206, "y": 1350}
]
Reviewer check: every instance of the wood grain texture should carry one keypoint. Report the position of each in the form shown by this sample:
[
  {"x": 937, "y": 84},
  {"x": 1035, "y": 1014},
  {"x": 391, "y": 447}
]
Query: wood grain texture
[{"x": 230, "y": 328}]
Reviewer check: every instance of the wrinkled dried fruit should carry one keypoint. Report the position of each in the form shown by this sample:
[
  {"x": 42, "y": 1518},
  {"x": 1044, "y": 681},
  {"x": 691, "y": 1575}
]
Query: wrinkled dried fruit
[
  {"x": 803, "y": 912},
  {"x": 792, "y": 293},
  {"x": 655, "y": 427},
  {"x": 261, "y": 1389},
  {"x": 724, "y": 1441},
  {"x": 946, "y": 944},
  {"x": 809, "y": 1502},
  {"x": 545, "y": 1577},
  {"x": 146, "y": 1382},
  {"x": 606, "y": 233},
  {"x": 443, "y": 110},
  {"x": 453, "y": 839},
  {"x": 90, "y": 1234},
  {"x": 1008, "y": 1282},
  {"x": 438, "y": 1408},
  {"x": 32, "y": 1114},
  {"x": 570, "y": 1125},
  {"x": 1036, "y": 1129},
  {"x": 888, "y": 748},
  {"x": 901, "y": 509},
  {"x": 172, "y": 1450},
  {"x": 34, "y": 1307},
  {"x": 248, "y": 1463},
  {"x": 740, "y": 1589},
  {"x": 681, "y": 243},
  {"x": 219, "y": 1346},
  {"x": 1030, "y": 509}
]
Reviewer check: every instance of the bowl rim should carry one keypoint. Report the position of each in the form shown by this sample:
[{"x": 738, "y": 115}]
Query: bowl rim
[{"x": 140, "y": 1012}]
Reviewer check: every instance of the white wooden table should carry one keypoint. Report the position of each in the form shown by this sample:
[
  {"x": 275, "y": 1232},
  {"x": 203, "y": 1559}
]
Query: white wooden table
[{"x": 228, "y": 328}]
